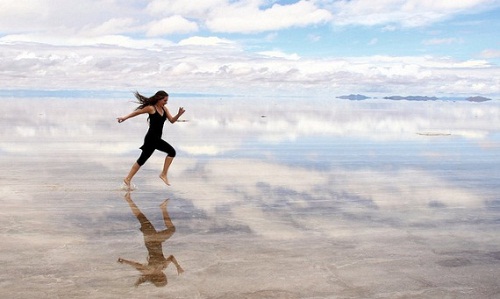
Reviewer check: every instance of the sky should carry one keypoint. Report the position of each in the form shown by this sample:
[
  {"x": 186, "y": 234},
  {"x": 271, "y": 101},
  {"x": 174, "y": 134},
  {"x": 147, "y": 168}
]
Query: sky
[{"x": 252, "y": 47}]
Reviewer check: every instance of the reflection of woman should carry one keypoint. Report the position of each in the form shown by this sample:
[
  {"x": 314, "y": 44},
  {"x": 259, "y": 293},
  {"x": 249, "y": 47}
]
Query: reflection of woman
[
  {"x": 158, "y": 113},
  {"x": 153, "y": 270}
]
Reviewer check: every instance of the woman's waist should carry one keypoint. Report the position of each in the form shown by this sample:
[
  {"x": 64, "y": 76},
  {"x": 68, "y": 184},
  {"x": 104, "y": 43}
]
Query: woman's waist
[{"x": 153, "y": 134}]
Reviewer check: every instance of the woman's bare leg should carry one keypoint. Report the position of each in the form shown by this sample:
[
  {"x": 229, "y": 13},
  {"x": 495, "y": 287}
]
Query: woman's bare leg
[
  {"x": 166, "y": 166},
  {"x": 131, "y": 174}
]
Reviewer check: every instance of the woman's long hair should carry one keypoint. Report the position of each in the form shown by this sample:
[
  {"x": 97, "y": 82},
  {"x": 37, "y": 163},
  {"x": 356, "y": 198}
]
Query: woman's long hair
[{"x": 145, "y": 101}]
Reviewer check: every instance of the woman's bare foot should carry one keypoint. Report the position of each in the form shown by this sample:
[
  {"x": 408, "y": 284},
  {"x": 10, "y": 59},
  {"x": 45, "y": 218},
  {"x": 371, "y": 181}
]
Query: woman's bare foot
[
  {"x": 127, "y": 184},
  {"x": 164, "y": 179}
]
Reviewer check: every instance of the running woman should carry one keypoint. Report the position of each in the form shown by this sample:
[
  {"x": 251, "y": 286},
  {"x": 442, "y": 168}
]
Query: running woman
[{"x": 155, "y": 106}]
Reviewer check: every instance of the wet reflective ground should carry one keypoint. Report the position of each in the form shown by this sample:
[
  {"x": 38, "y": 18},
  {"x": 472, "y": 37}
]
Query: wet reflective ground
[{"x": 308, "y": 199}]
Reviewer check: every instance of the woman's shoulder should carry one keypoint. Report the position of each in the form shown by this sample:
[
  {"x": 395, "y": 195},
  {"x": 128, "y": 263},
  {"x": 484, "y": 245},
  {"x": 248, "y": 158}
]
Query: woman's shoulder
[
  {"x": 146, "y": 109},
  {"x": 150, "y": 109}
]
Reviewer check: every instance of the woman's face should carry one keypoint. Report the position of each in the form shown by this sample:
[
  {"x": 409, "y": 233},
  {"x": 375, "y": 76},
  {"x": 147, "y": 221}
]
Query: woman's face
[{"x": 164, "y": 100}]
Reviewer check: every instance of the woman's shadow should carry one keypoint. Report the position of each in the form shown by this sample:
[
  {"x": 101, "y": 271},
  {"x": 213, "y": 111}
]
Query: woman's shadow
[{"x": 152, "y": 271}]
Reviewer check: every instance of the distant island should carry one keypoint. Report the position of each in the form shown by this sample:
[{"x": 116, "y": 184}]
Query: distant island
[
  {"x": 354, "y": 97},
  {"x": 360, "y": 97},
  {"x": 477, "y": 99}
]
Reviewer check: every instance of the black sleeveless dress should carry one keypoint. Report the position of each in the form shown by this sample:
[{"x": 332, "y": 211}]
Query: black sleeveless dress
[
  {"x": 153, "y": 141},
  {"x": 153, "y": 136}
]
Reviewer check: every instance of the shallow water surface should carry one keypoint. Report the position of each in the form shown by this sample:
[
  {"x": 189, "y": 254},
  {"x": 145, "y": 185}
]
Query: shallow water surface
[{"x": 271, "y": 198}]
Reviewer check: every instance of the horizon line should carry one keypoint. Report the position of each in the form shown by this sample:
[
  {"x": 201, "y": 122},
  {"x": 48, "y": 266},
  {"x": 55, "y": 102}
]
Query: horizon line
[{"x": 94, "y": 93}]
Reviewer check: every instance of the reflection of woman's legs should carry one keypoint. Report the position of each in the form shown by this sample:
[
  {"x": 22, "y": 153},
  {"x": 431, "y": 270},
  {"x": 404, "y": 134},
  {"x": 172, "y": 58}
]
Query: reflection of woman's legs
[
  {"x": 166, "y": 216},
  {"x": 168, "y": 233},
  {"x": 147, "y": 227},
  {"x": 165, "y": 234},
  {"x": 133, "y": 206}
]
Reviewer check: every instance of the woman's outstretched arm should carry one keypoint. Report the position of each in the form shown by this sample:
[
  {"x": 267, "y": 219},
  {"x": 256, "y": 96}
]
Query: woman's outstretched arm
[
  {"x": 147, "y": 109},
  {"x": 171, "y": 259},
  {"x": 136, "y": 265}
]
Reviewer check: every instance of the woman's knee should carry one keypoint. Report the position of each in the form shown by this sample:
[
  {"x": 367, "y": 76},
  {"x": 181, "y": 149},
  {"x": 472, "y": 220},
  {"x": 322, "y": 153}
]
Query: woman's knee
[
  {"x": 141, "y": 161},
  {"x": 144, "y": 157}
]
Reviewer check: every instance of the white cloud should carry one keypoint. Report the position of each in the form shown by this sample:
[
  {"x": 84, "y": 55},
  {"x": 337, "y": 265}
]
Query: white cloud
[
  {"x": 183, "y": 68},
  {"x": 205, "y": 41},
  {"x": 490, "y": 53},
  {"x": 280, "y": 54},
  {"x": 224, "y": 67},
  {"x": 68, "y": 41},
  {"x": 59, "y": 42},
  {"x": 109, "y": 27},
  {"x": 247, "y": 17},
  {"x": 189, "y": 9},
  {"x": 17, "y": 16},
  {"x": 169, "y": 25},
  {"x": 114, "y": 17},
  {"x": 58, "y": 16}
]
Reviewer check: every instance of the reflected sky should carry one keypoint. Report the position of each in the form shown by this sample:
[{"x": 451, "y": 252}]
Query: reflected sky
[{"x": 329, "y": 197}]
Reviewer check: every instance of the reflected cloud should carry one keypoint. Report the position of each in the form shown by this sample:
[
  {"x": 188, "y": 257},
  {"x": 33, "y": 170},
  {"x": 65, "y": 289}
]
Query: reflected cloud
[
  {"x": 286, "y": 202},
  {"x": 375, "y": 158},
  {"x": 235, "y": 124},
  {"x": 232, "y": 122},
  {"x": 153, "y": 270}
]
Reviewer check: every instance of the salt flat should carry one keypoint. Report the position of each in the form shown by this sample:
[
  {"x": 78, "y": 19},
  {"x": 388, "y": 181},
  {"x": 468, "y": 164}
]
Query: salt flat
[{"x": 271, "y": 198}]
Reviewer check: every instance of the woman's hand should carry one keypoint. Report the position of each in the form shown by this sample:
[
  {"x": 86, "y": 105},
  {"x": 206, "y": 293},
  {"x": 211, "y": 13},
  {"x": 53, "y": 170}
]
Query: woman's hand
[
  {"x": 181, "y": 111},
  {"x": 121, "y": 119},
  {"x": 176, "y": 117}
]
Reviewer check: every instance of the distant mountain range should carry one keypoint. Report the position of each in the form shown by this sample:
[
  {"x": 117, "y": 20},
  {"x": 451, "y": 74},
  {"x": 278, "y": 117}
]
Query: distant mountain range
[
  {"x": 360, "y": 97},
  {"x": 478, "y": 99},
  {"x": 354, "y": 97}
]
